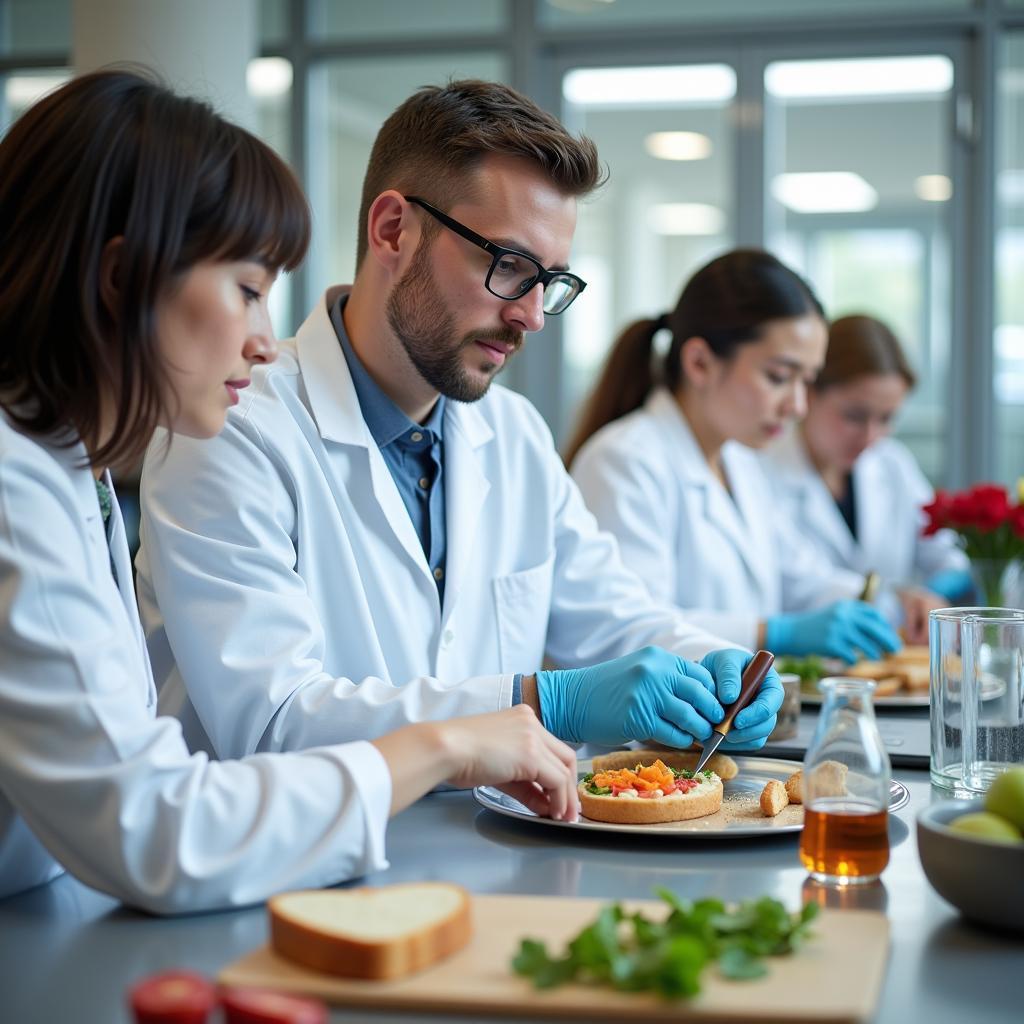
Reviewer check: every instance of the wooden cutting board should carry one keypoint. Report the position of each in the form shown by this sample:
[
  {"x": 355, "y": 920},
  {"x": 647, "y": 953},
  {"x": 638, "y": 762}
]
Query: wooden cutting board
[{"x": 835, "y": 977}]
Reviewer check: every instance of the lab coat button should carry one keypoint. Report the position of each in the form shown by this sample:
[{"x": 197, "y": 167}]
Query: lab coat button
[{"x": 448, "y": 637}]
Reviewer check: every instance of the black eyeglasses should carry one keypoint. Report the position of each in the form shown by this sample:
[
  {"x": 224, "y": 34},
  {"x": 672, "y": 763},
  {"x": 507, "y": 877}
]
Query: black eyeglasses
[{"x": 512, "y": 274}]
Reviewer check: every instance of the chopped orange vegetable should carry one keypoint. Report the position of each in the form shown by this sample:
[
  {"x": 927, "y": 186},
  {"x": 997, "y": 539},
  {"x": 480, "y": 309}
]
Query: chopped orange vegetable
[{"x": 642, "y": 778}]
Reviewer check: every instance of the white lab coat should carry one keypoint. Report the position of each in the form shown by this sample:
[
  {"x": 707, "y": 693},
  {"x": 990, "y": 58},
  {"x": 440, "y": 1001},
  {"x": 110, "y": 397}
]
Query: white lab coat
[
  {"x": 889, "y": 490},
  {"x": 729, "y": 561},
  {"x": 91, "y": 779},
  {"x": 281, "y": 571}
]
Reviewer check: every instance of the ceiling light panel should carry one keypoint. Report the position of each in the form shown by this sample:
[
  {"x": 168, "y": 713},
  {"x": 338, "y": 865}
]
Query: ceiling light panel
[
  {"x": 672, "y": 86},
  {"x": 678, "y": 145},
  {"x": 859, "y": 77},
  {"x": 824, "y": 192}
]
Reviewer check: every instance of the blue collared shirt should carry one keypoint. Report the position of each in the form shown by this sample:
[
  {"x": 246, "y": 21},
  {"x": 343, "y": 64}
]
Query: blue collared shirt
[{"x": 413, "y": 452}]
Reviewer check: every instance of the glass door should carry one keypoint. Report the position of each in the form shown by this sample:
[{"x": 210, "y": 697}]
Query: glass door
[
  {"x": 859, "y": 168},
  {"x": 665, "y": 131}
]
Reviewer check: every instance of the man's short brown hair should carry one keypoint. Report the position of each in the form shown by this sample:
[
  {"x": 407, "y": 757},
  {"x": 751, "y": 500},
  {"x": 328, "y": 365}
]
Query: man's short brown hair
[{"x": 437, "y": 137}]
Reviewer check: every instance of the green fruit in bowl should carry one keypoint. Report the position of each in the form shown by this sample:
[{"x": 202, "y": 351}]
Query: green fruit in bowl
[
  {"x": 988, "y": 826},
  {"x": 1005, "y": 796}
]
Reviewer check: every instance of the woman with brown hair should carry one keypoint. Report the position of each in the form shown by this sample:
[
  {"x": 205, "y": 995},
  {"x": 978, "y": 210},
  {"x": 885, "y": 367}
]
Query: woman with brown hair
[
  {"x": 854, "y": 492},
  {"x": 139, "y": 236},
  {"x": 663, "y": 458}
]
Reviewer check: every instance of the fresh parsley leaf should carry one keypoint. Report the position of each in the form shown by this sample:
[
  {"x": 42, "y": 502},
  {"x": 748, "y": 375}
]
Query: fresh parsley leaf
[
  {"x": 809, "y": 669},
  {"x": 634, "y": 953},
  {"x": 739, "y": 965}
]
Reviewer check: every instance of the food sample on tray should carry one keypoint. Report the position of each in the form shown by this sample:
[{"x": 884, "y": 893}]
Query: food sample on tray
[
  {"x": 649, "y": 794},
  {"x": 384, "y": 932},
  {"x": 905, "y": 672},
  {"x": 721, "y": 764}
]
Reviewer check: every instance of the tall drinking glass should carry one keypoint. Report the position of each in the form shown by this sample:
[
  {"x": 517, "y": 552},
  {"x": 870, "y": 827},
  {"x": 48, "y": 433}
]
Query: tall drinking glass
[{"x": 977, "y": 696}]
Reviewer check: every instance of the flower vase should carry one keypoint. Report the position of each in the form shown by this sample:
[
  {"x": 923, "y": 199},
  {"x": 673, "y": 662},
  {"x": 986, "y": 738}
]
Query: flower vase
[{"x": 997, "y": 582}]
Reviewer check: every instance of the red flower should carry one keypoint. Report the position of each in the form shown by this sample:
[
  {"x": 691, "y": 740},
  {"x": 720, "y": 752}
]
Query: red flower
[
  {"x": 1017, "y": 520},
  {"x": 988, "y": 524},
  {"x": 938, "y": 512},
  {"x": 990, "y": 507}
]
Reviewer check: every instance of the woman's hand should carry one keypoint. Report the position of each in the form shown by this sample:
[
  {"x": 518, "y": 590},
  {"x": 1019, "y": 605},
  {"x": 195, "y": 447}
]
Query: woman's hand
[
  {"x": 513, "y": 751},
  {"x": 917, "y": 603},
  {"x": 507, "y": 749}
]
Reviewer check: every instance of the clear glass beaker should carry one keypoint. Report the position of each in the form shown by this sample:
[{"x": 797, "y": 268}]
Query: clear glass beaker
[
  {"x": 845, "y": 840},
  {"x": 977, "y": 695}
]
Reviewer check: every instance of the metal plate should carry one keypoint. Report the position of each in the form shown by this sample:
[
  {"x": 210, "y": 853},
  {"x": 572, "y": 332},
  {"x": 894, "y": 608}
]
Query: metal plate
[
  {"x": 991, "y": 687},
  {"x": 739, "y": 818}
]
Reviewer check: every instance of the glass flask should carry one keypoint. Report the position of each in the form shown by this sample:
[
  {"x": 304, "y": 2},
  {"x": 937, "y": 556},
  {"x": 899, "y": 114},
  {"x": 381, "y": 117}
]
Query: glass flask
[{"x": 845, "y": 840}]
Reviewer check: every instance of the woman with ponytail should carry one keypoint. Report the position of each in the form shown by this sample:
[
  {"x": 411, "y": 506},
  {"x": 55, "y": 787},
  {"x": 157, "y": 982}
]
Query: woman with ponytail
[{"x": 663, "y": 456}]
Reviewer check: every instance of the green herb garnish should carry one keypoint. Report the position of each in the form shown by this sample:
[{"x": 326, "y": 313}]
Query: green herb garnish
[
  {"x": 633, "y": 953},
  {"x": 809, "y": 669}
]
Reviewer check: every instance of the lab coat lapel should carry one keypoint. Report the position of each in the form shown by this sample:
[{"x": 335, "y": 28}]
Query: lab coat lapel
[
  {"x": 335, "y": 407},
  {"x": 466, "y": 490},
  {"x": 819, "y": 507},
  {"x": 115, "y": 552},
  {"x": 874, "y": 511},
  {"x": 719, "y": 508},
  {"x": 121, "y": 560},
  {"x": 754, "y": 542}
]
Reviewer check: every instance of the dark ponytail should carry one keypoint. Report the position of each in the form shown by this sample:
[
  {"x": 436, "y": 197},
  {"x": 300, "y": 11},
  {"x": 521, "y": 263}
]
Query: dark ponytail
[
  {"x": 727, "y": 303},
  {"x": 626, "y": 380}
]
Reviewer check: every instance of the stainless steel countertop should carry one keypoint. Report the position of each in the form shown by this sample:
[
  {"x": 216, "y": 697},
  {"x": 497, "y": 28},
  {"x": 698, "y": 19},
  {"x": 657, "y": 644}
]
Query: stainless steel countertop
[{"x": 68, "y": 954}]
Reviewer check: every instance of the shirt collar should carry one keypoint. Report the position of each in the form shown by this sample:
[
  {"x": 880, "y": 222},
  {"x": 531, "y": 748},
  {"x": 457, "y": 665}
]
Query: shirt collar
[{"x": 384, "y": 419}]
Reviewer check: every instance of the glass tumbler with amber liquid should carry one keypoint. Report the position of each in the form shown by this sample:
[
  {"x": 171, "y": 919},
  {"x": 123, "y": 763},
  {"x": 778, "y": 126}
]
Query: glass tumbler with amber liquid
[{"x": 845, "y": 840}]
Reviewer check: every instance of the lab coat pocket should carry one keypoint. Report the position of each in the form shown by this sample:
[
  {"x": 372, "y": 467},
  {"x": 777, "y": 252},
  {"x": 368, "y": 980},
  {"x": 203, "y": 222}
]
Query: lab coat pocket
[{"x": 522, "y": 604}]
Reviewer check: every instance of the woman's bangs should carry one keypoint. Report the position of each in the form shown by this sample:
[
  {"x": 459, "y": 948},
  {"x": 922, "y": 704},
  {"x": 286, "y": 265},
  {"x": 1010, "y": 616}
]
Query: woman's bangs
[{"x": 263, "y": 214}]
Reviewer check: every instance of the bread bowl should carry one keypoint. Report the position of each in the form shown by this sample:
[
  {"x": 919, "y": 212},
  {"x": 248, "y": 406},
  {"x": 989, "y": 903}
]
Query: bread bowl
[{"x": 649, "y": 794}]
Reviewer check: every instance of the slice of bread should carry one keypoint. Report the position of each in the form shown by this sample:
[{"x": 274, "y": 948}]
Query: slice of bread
[
  {"x": 774, "y": 797},
  {"x": 368, "y": 932},
  {"x": 916, "y": 678},
  {"x": 868, "y": 670},
  {"x": 705, "y": 799},
  {"x": 795, "y": 787},
  {"x": 721, "y": 764},
  {"x": 888, "y": 686},
  {"x": 911, "y": 654}
]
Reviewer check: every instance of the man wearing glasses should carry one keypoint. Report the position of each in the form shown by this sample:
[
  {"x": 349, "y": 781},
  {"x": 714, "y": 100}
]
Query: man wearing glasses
[{"x": 379, "y": 536}]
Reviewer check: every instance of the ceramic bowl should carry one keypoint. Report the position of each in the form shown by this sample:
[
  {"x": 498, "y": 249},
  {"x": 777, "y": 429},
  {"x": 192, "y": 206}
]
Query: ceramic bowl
[{"x": 982, "y": 878}]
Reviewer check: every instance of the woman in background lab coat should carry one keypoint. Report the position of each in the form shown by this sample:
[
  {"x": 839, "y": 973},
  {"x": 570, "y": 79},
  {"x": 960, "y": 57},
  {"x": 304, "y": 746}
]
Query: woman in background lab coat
[
  {"x": 139, "y": 236},
  {"x": 663, "y": 458},
  {"x": 854, "y": 493}
]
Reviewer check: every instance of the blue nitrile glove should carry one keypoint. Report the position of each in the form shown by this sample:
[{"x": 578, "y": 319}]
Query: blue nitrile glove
[
  {"x": 952, "y": 584},
  {"x": 840, "y": 630},
  {"x": 650, "y": 694},
  {"x": 752, "y": 726}
]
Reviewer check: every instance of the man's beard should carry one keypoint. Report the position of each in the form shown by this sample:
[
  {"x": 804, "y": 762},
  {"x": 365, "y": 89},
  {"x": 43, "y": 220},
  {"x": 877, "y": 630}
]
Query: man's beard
[{"x": 424, "y": 326}]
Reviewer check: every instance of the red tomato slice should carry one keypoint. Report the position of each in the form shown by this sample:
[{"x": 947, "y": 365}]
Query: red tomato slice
[
  {"x": 174, "y": 997},
  {"x": 261, "y": 1006}
]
